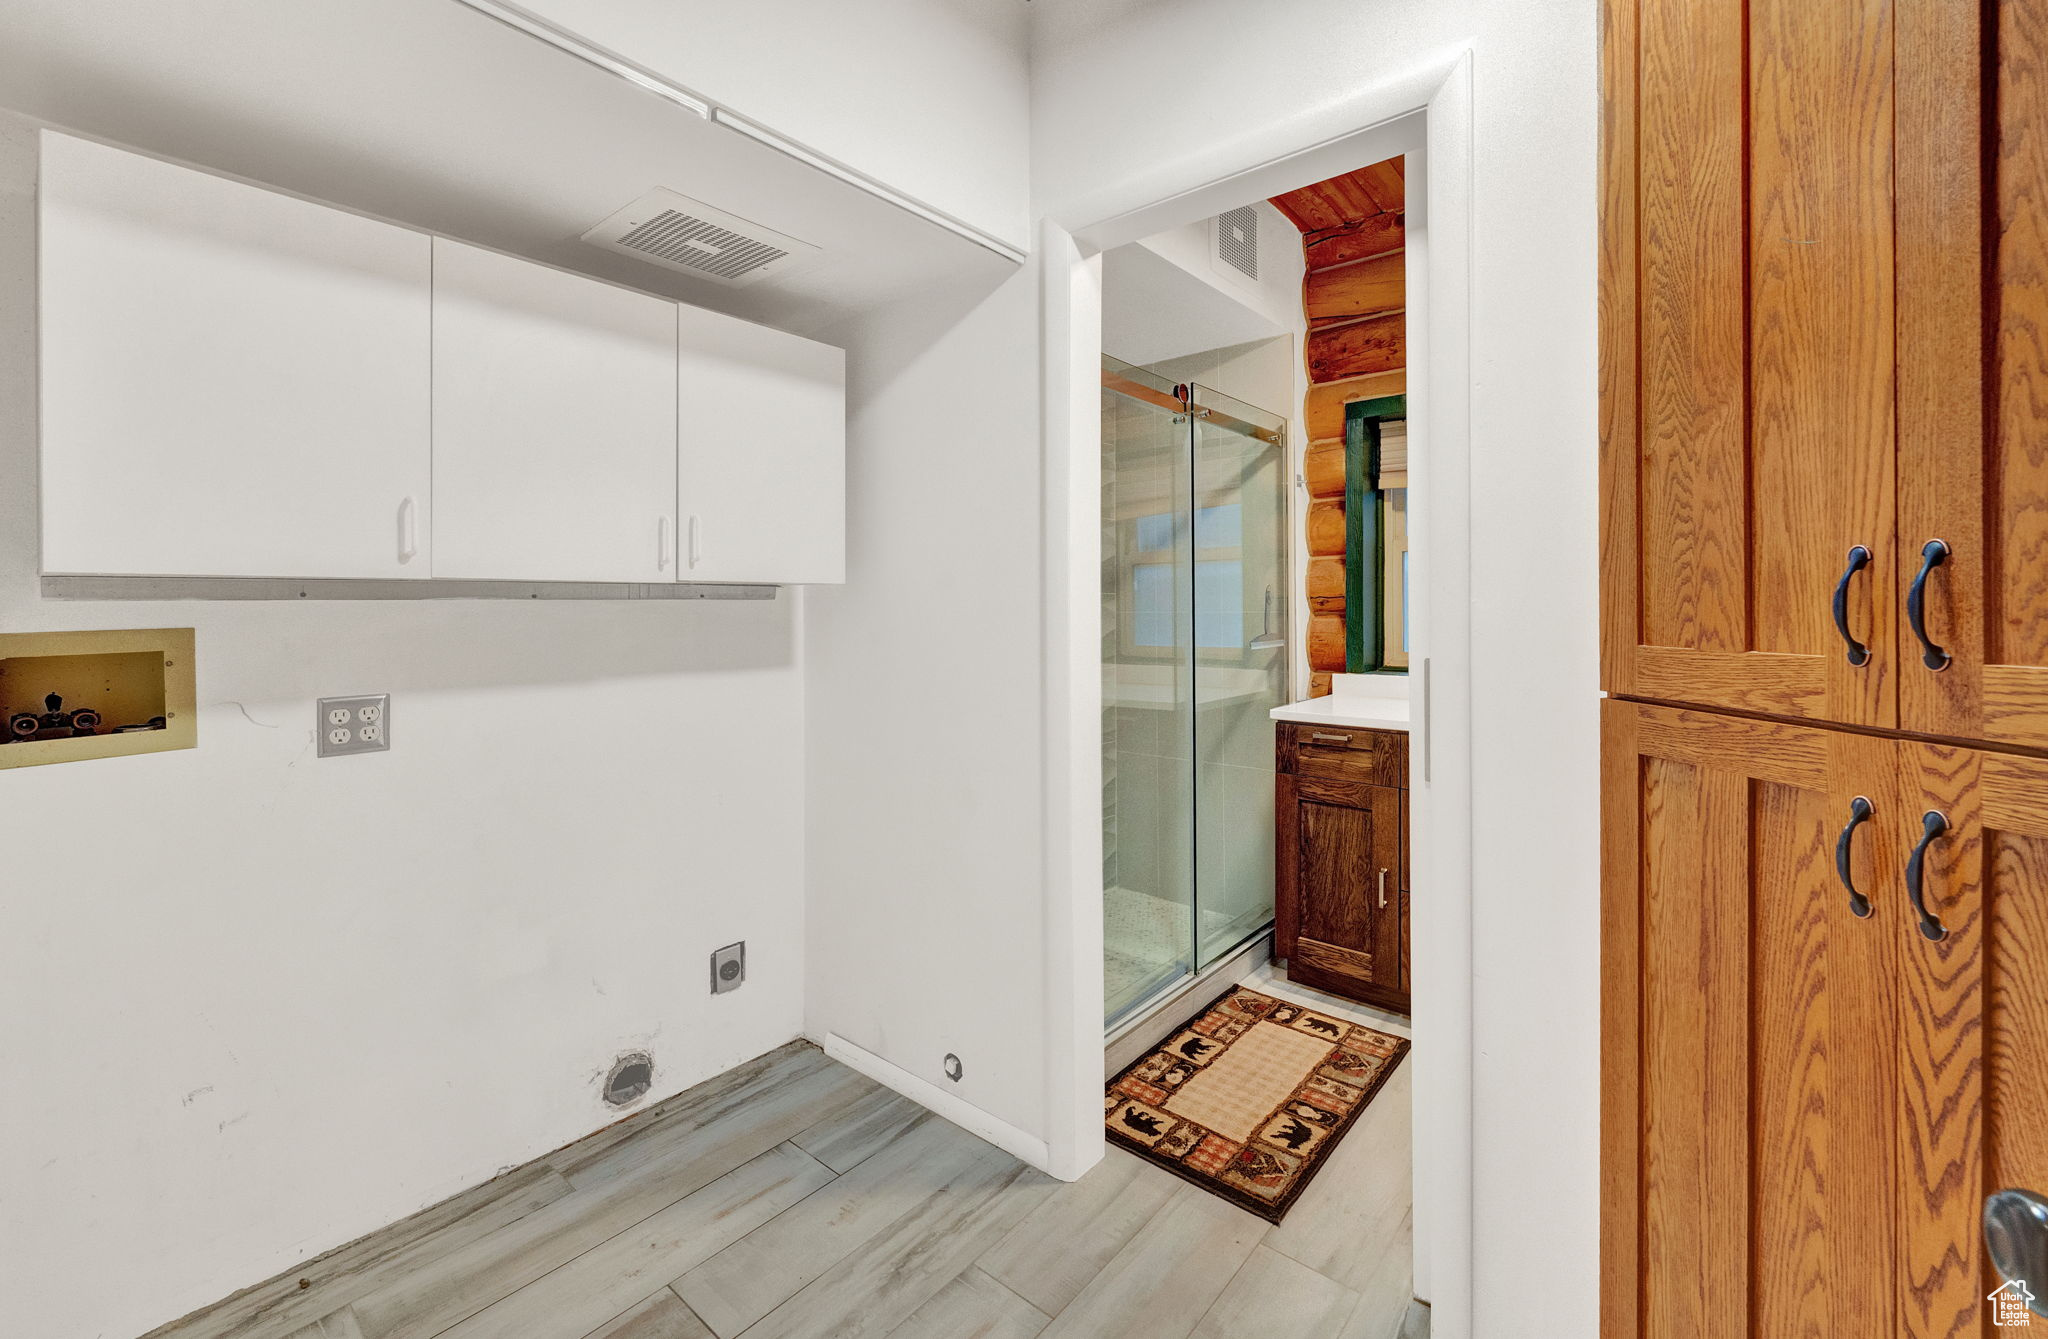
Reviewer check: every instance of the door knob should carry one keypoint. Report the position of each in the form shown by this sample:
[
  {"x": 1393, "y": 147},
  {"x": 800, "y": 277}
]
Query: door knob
[{"x": 2016, "y": 1234}]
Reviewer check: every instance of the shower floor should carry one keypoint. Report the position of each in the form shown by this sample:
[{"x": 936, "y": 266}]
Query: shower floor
[{"x": 1145, "y": 942}]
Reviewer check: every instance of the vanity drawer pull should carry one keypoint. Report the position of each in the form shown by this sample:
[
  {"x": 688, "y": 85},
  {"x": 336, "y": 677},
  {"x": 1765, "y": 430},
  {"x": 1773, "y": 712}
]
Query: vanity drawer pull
[{"x": 1318, "y": 737}]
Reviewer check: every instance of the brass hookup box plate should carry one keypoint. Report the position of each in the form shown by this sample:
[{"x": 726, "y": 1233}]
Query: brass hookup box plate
[{"x": 111, "y": 687}]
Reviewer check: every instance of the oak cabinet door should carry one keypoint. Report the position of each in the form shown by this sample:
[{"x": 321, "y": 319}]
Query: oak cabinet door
[
  {"x": 1748, "y": 356},
  {"x": 1973, "y": 397},
  {"x": 1751, "y": 1018},
  {"x": 1973, "y": 1043},
  {"x": 554, "y": 424}
]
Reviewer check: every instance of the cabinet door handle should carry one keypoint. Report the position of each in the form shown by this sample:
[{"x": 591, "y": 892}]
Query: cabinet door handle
[
  {"x": 408, "y": 531},
  {"x": 1932, "y": 555},
  {"x": 1859, "y": 812},
  {"x": 665, "y": 543},
  {"x": 1383, "y": 890},
  {"x": 1320, "y": 738},
  {"x": 696, "y": 541},
  {"x": 1859, "y": 558},
  {"x": 1932, "y": 824}
]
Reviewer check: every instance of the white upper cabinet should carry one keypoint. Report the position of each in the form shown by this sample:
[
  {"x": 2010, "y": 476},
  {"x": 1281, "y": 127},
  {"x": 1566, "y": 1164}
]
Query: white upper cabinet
[
  {"x": 554, "y": 424},
  {"x": 238, "y": 383},
  {"x": 762, "y": 462},
  {"x": 234, "y": 382}
]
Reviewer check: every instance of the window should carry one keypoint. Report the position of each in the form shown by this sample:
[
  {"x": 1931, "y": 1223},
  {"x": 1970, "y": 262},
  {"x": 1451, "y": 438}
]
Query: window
[
  {"x": 1376, "y": 535},
  {"x": 1219, "y": 579}
]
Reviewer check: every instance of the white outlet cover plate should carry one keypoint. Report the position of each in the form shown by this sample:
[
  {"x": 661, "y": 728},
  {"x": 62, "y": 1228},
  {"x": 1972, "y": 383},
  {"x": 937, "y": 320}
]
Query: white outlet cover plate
[{"x": 346, "y": 725}]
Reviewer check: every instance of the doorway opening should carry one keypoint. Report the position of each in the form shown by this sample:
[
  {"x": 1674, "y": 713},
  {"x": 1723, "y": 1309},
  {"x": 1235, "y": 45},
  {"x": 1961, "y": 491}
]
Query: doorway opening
[
  {"x": 1423, "y": 118},
  {"x": 1254, "y": 571}
]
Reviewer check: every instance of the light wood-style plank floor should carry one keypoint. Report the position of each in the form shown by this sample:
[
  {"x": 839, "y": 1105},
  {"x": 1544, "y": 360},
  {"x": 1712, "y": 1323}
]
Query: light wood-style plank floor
[{"x": 794, "y": 1199}]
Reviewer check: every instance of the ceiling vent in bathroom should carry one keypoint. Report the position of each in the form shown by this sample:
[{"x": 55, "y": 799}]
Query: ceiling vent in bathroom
[
  {"x": 691, "y": 237},
  {"x": 1237, "y": 240}
]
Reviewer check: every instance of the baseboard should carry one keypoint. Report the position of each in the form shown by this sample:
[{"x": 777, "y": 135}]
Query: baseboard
[{"x": 1005, "y": 1136}]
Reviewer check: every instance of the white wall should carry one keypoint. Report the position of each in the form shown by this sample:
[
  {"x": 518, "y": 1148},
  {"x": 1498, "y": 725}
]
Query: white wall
[
  {"x": 925, "y": 96},
  {"x": 927, "y": 923},
  {"x": 254, "y": 1004},
  {"x": 1297, "y": 72}
]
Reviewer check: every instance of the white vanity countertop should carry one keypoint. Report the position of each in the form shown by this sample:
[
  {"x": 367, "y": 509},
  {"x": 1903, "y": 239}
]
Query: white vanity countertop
[{"x": 1380, "y": 704}]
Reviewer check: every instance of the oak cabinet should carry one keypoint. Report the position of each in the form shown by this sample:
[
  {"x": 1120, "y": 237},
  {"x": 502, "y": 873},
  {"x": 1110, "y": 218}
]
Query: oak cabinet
[
  {"x": 1822, "y": 1024},
  {"x": 1341, "y": 895},
  {"x": 1824, "y": 384},
  {"x": 1824, "y": 398},
  {"x": 554, "y": 424},
  {"x": 234, "y": 382}
]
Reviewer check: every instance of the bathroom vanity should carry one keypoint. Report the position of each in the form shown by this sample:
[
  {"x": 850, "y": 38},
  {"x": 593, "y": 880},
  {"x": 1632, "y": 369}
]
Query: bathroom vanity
[{"x": 1341, "y": 810}]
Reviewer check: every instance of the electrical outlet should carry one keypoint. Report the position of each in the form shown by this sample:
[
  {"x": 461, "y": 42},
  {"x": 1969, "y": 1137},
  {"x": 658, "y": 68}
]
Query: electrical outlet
[
  {"x": 729, "y": 968},
  {"x": 354, "y": 725}
]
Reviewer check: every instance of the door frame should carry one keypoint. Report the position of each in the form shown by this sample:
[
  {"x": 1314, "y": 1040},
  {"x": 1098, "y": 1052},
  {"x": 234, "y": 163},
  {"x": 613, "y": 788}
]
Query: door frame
[{"x": 1427, "y": 114}]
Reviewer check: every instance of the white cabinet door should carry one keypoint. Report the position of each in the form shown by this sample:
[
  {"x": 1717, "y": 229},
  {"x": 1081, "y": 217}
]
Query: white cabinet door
[
  {"x": 554, "y": 424},
  {"x": 762, "y": 465},
  {"x": 234, "y": 382}
]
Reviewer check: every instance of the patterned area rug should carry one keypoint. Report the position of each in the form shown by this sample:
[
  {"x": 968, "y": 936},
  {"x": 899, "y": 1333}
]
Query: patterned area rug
[{"x": 1249, "y": 1098}]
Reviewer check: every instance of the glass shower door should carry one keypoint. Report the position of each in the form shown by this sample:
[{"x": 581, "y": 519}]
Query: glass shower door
[
  {"x": 1240, "y": 558},
  {"x": 1148, "y": 663},
  {"x": 1194, "y": 656}
]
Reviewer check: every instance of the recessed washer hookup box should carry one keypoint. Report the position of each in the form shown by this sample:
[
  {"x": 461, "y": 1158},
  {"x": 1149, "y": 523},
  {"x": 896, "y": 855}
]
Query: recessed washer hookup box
[{"x": 69, "y": 696}]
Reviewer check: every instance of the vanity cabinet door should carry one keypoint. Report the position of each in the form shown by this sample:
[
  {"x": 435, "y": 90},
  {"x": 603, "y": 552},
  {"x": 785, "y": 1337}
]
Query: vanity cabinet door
[{"x": 1345, "y": 846}]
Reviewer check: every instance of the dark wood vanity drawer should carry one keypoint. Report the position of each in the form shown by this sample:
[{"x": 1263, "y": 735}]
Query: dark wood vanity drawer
[{"x": 1344, "y": 753}]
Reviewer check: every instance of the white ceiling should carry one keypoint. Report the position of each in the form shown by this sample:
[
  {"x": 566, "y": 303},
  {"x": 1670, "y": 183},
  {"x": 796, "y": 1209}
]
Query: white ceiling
[{"x": 429, "y": 113}]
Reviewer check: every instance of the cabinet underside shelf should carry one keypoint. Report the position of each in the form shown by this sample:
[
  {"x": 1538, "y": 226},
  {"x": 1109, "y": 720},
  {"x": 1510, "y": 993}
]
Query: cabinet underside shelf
[{"x": 284, "y": 588}]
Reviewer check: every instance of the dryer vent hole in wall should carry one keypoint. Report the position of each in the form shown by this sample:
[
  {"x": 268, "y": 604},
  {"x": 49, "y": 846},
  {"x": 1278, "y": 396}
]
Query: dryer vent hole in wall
[{"x": 631, "y": 1076}]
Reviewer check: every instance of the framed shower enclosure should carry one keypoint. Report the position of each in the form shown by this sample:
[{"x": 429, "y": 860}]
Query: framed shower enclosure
[{"x": 1194, "y": 656}]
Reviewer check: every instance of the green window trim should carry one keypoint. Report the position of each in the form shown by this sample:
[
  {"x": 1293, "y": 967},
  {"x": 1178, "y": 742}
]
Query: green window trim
[{"x": 1364, "y": 515}]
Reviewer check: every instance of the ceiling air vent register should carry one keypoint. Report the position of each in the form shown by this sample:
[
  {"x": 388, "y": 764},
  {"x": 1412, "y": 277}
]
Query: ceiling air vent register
[
  {"x": 1237, "y": 240},
  {"x": 673, "y": 231}
]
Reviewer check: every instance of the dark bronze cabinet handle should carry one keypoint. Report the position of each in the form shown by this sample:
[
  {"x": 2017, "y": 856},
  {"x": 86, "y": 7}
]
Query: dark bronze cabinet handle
[
  {"x": 1859, "y": 654},
  {"x": 1859, "y": 812},
  {"x": 1932, "y": 555},
  {"x": 1932, "y": 824}
]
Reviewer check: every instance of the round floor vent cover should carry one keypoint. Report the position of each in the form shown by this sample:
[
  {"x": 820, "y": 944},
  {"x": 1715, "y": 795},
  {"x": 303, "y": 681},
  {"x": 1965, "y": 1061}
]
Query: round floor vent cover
[{"x": 632, "y": 1075}]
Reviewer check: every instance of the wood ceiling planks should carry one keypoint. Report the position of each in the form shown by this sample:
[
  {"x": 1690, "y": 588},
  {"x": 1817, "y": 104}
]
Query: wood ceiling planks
[{"x": 1338, "y": 201}]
